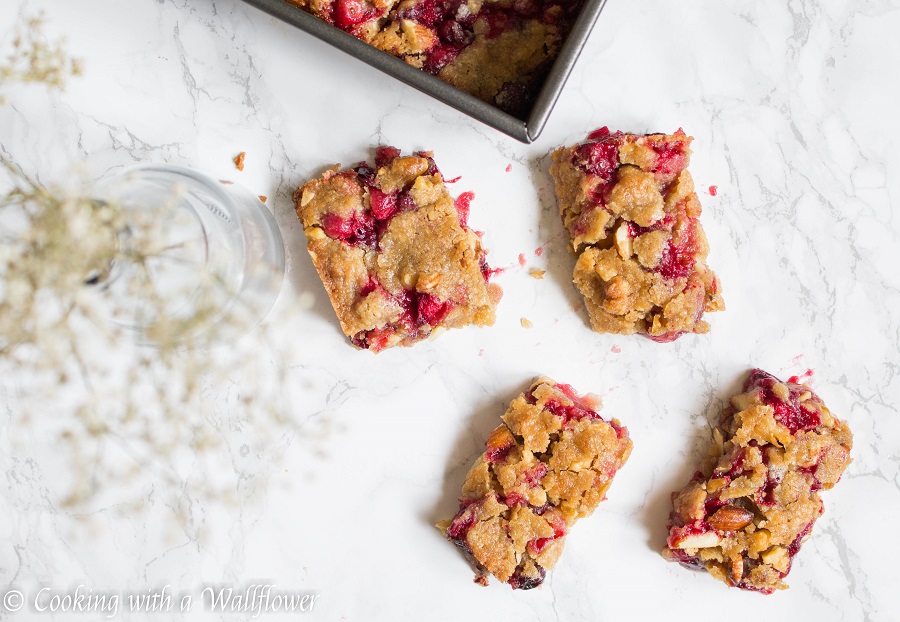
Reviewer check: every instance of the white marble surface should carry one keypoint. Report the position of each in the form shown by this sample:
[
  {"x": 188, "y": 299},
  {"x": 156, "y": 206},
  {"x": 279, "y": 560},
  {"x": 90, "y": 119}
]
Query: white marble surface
[{"x": 794, "y": 109}]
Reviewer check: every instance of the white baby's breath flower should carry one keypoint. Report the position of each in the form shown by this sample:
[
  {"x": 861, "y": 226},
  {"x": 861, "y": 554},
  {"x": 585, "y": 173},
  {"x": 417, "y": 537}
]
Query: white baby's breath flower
[{"x": 116, "y": 411}]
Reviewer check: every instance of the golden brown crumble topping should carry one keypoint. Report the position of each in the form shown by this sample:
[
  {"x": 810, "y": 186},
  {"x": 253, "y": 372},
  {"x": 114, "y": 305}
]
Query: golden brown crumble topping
[
  {"x": 548, "y": 465},
  {"x": 746, "y": 514},
  {"x": 496, "y": 50},
  {"x": 394, "y": 252},
  {"x": 629, "y": 206}
]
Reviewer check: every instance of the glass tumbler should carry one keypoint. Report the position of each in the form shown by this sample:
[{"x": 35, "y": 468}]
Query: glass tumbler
[{"x": 200, "y": 261}]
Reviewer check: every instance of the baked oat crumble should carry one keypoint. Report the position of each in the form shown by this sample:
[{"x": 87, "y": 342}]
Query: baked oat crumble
[
  {"x": 547, "y": 466},
  {"x": 628, "y": 204},
  {"x": 496, "y": 50},
  {"x": 394, "y": 251},
  {"x": 745, "y": 515}
]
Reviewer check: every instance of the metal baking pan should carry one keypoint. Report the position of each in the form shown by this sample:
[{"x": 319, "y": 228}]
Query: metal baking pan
[{"x": 525, "y": 131}]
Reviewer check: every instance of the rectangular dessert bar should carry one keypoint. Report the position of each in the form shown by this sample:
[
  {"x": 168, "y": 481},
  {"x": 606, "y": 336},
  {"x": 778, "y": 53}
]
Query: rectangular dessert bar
[
  {"x": 394, "y": 251},
  {"x": 497, "y": 50},
  {"x": 629, "y": 207},
  {"x": 744, "y": 517},
  {"x": 549, "y": 464}
]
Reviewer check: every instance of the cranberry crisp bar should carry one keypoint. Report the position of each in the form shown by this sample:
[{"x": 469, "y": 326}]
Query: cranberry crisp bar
[
  {"x": 745, "y": 516},
  {"x": 496, "y": 50},
  {"x": 394, "y": 251},
  {"x": 629, "y": 206},
  {"x": 548, "y": 465}
]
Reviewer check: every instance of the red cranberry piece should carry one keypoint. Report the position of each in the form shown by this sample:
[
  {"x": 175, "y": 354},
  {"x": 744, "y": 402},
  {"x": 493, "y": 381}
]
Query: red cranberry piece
[
  {"x": 666, "y": 222},
  {"x": 453, "y": 33},
  {"x": 371, "y": 285},
  {"x": 497, "y": 20},
  {"x": 462, "y": 207},
  {"x": 375, "y": 340},
  {"x": 600, "y": 159},
  {"x": 568, "y": 413},
  {"x": 407, "y": 301},
  {"x": 405, "y": 203},
  {"x": 569, "y": 391},
  {"x": 534, "y": 475},
  {"x": 462, "y": 522},
  {"x": 713, "y": 503},
  {"x": 425, "y": 12},
  {"x": 431, "y": 310},
  {"x": 599, "y": 134},
  {"x": 420, "y": 308},
  {"x": 359, "y": 340},
  {"x": 438, "y": 57},
  {"x": 665, "y": 337},
  {"x": 759, "y": 378},
  {"x": 690, "y": 562},
  {"x": 486, "y": 271},
  {"x": 676, "y": 261},
  {"x": 385, "y": 155},
  {"x": 498, "y": 454},
  {"x": 765, "y": 496},
  {"x": 621, "y": 431},
  {"x": 811, "y": 471},
  {"x": 794, "y": 548},
  {"x": 790, "y": 413},
  {"x": 357, "y": 230},
  {"x": 599, "y": 196},
  {"x": 578, "y": 410},
  {"x": 349, "y": 13},
  {"x": 670, "y": 159},
  {"x": 537, "y": 545},
  {"x": 736, "y": 469},
  {"x": 801, "y": 378},
  {"x": 365, "y": 173},
  {"x": 514, "y": 499},
  {"x": 518, "y": 581},
  {"x": 383, "y": 205}
]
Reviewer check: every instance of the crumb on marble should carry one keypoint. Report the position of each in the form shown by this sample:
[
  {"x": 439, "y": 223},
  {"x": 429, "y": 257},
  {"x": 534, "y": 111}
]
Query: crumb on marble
[
  {"x": 239, "y": 160},
  {"x": 263, "y": 198},
  {"x": 526, "y": 323},
  {"x": 535, "y": 273}
]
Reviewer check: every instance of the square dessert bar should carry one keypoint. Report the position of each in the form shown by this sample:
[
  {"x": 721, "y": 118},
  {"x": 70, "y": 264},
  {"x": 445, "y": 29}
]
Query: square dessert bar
[
  {"x": 549, "y": 464},
  {"x": 496, "y": 50},
  {"x": 629, "y": 206},
  {"x": 744, "y": 517},
  {"x": 394, "y": 252}
]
